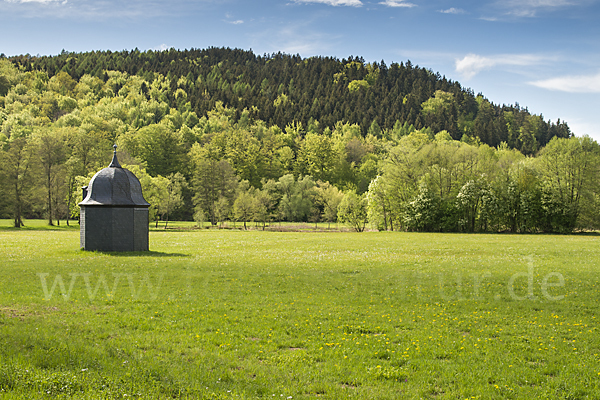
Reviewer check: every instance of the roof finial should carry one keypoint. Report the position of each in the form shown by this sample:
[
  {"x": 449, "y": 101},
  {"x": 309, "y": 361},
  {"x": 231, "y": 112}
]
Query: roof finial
[{"x": 115, "y": 163}]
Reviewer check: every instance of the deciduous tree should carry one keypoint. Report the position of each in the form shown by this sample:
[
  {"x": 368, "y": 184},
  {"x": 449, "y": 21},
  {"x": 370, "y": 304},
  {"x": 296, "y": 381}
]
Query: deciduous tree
[
  {"x": 353, "y": 210},
  {"x": 17, "y": 161}
]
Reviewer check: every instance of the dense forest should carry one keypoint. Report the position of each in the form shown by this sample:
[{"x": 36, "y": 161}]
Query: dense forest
[
  {"x": 280, "y": 89},
  {"x": 220, "y": 135}
]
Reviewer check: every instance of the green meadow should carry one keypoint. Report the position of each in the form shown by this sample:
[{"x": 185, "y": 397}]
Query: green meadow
[{"x": 230, "y": 314}]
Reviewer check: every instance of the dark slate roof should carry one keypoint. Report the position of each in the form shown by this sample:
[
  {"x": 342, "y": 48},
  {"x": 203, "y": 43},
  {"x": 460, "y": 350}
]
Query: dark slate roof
[{"x": 114, "y": 186}]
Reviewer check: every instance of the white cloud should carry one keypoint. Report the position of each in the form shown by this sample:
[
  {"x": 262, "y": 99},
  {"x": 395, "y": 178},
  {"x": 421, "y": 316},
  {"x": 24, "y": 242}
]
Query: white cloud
[
  {"x": 581, "y": 127},
  {"x": 37, "y": 1},
  {"x": 397, "y": 3},
  {"x": 162, "y": 47},
  {"x": 296, "y": 37},
  {"x": 538, "y": 3},
  {"x": 472, "y": 64},
  {"x": 530, "y": 8},
  {"x": 571, "y": 84},
  {"x": 94, "y": 9},
  {"x": 232, "y": 21},
  {"x": 453, "y": 10},
  {"x": 352, "y": 3}
]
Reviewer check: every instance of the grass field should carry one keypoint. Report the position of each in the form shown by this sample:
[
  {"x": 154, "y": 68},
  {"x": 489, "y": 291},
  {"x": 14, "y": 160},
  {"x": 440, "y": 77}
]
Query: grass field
[{"x": 242, "y": 315}]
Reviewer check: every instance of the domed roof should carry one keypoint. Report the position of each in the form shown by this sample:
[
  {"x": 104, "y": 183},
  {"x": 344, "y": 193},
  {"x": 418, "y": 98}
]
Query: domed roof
[{"x": 114, "y": 186}]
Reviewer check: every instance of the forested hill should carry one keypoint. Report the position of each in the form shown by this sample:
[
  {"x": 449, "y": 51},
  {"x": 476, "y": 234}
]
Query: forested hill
[{"x": 282, "y": 89}]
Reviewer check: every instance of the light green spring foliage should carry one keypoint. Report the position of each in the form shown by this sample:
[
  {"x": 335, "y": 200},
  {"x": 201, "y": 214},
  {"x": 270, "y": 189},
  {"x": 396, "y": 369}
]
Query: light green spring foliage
[
  {"x": 438, "y": 104},
  {"x": 445, "y": 185},
  {"x": 353, "y": 210},
  {"x": 357, "y": 85},
  {"x": 82, "y": 119}
]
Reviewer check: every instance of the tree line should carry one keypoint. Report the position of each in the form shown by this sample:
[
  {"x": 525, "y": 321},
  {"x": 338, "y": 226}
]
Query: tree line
[
  {"x": 282, "y": 89},
  {"x": 56, "y": 131}
]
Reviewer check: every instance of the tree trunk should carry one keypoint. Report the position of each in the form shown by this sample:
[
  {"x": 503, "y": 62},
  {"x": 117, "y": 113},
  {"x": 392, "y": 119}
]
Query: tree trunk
[
  {"x": 384, "y": 218},
  {"x": 70, "y": 197},
  {"x": 18, "y": 219},
  {"x": 49, "y": 183}
]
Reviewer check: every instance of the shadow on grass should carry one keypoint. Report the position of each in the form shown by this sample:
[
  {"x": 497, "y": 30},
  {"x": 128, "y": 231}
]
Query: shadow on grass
[
  {"x": 138, "y": 253},
  {"x": 40, "y": 228},
  {"x": 594, "y": 233}
]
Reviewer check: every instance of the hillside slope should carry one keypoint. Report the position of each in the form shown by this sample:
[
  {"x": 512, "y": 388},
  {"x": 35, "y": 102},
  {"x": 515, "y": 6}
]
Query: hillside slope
[{"x": 281, "y": 89}]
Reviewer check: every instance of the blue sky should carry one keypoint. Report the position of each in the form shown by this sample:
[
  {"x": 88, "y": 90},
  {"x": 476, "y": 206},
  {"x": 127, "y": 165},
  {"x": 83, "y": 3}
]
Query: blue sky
[{"x": 543, "y": 54}]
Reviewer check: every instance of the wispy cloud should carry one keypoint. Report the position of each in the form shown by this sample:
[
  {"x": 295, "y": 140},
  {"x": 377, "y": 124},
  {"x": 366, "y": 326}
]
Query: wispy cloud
[
  {"x": 430, "y": 58},
  {"x": 453, "y": 10},
  {"x": 581, "y": 126},
  {"x": 472, "y": 64},
  {"x": 571, "y": 84},
  {"x": 530, "y": 8},
  {"x": 540, "y": 3},
  {"x": 397, "y": 3},
  {"x": 39, "y": 2},
  {"x": 161, "y": 47},
  {"x": 296, "y": 37},
  {"x": 36, "y": 1},
  {"x": 301, "y": 39},
  {"x": 100, "y": 8},
  {"x": 351, "y": 3},
  {"x": 235, "y": 22}
]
